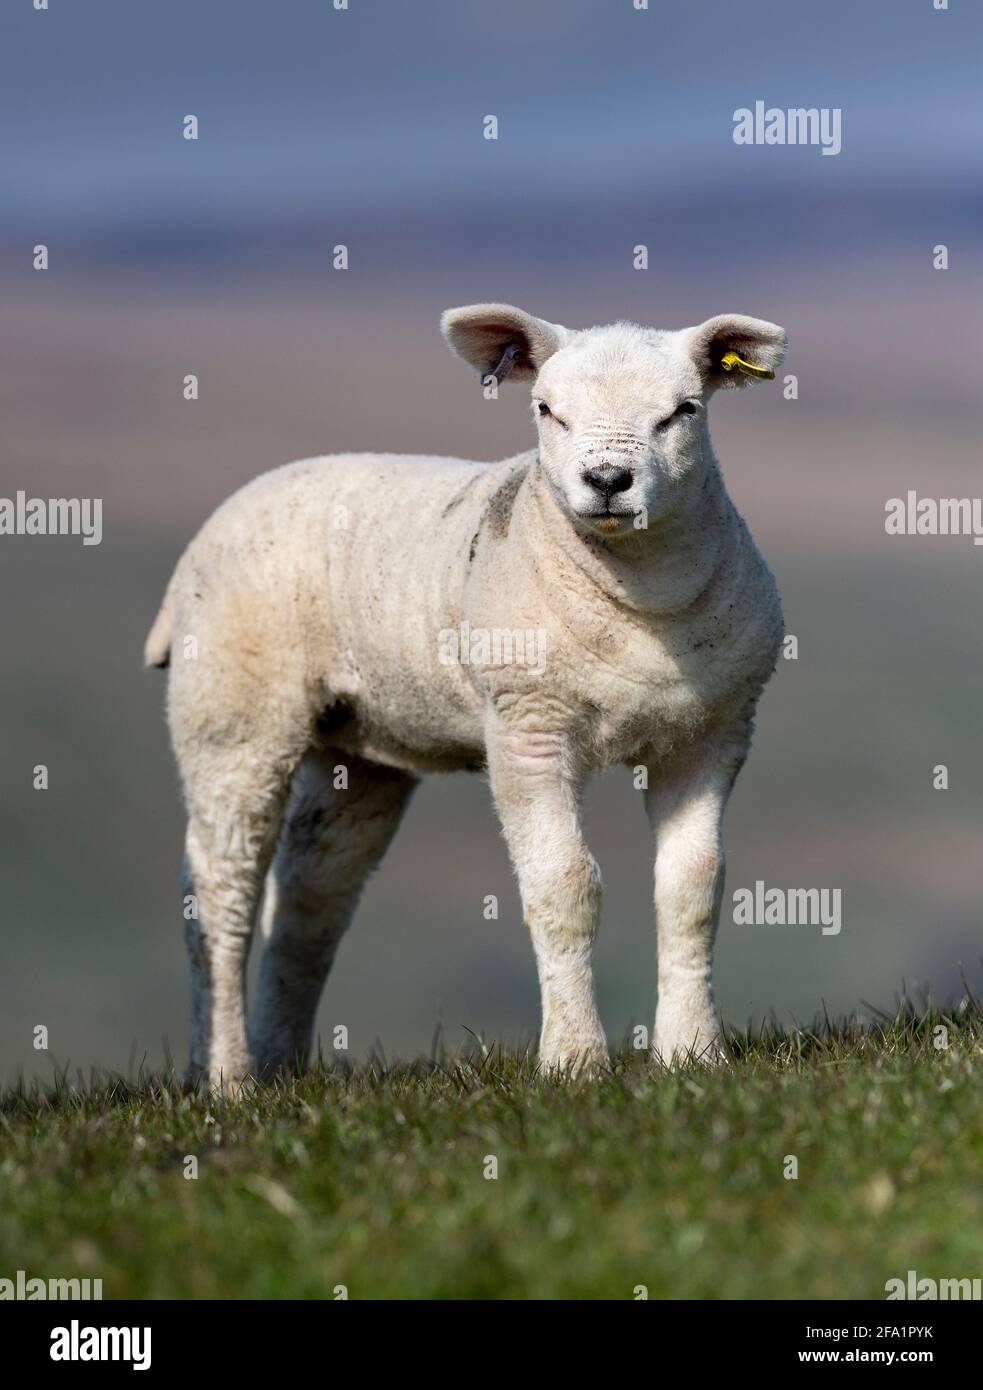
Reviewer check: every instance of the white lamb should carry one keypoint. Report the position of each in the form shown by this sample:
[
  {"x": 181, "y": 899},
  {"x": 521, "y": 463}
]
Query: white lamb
[{"x": 596, "y": 600}]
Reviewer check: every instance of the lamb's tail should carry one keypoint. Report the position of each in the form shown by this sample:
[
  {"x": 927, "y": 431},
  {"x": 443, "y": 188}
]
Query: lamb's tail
[{"x": 157, "y": 648}]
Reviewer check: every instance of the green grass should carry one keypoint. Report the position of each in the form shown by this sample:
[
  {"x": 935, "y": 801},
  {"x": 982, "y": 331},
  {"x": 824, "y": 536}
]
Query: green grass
[{"x": 373, "y": 1178}]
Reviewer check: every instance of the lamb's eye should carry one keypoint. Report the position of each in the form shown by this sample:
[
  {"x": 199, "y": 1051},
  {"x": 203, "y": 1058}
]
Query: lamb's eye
[
  {"x": 686, "y": 408},
  {"x": 544, "y": 412}
]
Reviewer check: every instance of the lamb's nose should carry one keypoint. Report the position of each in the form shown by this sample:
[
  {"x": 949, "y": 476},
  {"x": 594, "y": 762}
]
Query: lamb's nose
[{"x": 608, "y": 478}]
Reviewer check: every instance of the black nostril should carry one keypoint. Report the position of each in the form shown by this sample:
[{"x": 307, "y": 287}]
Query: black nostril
[{"x": 608, "y": 478}]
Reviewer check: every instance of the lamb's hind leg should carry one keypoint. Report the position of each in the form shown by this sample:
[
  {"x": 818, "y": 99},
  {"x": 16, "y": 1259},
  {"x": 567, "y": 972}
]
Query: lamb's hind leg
[
  {"x": 234, "y": 809},
  {"x": 341, "y": 818}
]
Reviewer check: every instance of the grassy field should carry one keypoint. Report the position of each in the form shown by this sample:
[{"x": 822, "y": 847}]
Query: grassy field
[{"x": 378, "y": 1178}]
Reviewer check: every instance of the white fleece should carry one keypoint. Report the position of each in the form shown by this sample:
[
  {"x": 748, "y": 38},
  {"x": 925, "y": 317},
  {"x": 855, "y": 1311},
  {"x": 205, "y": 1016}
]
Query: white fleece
[{"x": 610, "y": 606}]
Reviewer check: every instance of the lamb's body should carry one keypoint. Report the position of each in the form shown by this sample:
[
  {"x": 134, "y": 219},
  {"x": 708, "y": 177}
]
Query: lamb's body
[
  {"x": 320, "y": 598},
  {"x": 315, "y": 561}
]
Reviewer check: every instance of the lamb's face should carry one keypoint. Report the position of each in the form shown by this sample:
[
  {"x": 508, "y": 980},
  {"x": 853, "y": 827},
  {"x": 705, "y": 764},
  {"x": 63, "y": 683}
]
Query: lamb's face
[
  {"x": 620, "y": 411},
  {"x": 621, "y": 416}
]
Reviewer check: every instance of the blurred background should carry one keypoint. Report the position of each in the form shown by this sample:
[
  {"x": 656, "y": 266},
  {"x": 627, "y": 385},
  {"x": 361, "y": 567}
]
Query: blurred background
[{"x": 214, "y": 257}]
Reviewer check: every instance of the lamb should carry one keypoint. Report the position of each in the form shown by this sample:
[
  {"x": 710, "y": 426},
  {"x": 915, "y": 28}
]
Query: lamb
[{"x": 313, "y": 678}]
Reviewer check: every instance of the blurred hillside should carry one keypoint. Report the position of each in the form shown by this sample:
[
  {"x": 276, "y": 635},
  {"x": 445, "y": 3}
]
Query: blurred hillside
[{"x": 213, "y": 257}]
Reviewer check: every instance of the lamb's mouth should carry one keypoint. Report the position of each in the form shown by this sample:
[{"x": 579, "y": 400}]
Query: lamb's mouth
[{"x": 607, "y": 520}]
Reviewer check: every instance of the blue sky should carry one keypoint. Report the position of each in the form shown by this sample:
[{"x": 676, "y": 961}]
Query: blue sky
[{"x": 378, "y": 110}]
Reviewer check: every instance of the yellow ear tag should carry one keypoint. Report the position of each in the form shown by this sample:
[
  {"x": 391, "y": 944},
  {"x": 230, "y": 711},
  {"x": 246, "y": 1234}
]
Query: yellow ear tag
[{"x": 730, "y": 360}]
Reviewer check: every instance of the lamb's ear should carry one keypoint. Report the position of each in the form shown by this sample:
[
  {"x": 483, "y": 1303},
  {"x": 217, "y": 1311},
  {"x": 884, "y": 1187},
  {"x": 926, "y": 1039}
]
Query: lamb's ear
[
  {"x": 727, "y": 349},
  {"x": 501, "y": 340}
]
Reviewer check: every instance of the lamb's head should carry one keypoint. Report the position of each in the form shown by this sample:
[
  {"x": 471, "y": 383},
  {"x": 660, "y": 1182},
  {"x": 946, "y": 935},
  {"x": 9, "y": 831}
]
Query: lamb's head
[{"x": 621, "y": 410}]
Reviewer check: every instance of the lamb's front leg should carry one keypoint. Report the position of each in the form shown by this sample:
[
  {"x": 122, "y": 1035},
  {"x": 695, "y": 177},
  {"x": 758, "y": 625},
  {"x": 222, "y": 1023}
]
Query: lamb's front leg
[
  {"x": 685, "y": 807},
  {"x": 537, "y": 795}
]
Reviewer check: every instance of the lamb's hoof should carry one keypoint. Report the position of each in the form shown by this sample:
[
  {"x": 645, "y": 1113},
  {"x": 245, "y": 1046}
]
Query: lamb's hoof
[
  {"x": 273, "y": 1067},
  {"x": 673, "y": 1052},
  {"x": 229, "y": 1081},
  {"x": 569, "y": 1064}
]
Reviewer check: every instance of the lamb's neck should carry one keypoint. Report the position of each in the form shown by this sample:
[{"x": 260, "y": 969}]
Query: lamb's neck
[{"x": 661, "y": 569}]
